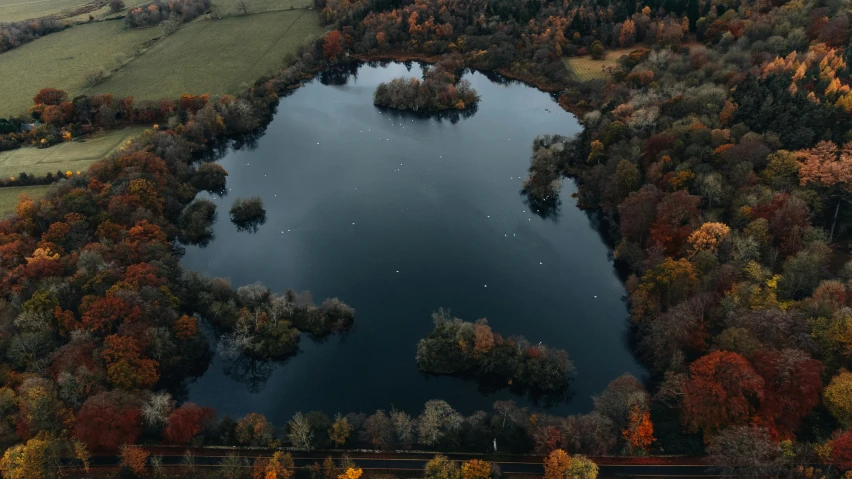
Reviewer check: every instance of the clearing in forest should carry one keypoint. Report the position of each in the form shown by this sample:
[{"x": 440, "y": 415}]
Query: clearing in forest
[{"x": 586, "y": 68}]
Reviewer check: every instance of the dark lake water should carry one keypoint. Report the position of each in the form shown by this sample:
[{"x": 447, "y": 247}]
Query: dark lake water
[{"x": 397, "y": 216}]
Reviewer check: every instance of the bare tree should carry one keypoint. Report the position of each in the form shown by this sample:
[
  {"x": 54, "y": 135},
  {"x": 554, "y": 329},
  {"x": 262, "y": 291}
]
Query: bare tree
[
  {"x": 301, "y": 433},
  {"x": 242, "y": 6}
]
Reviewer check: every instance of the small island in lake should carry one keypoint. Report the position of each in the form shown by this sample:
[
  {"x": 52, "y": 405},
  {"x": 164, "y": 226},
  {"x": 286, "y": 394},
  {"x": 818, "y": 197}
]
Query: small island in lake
[
  {"x": 439, "y": 90},
  {"x": 463, "y": 347}
]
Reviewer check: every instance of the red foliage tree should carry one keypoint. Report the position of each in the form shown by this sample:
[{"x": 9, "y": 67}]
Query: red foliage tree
[
  {"x": 102, "y": 315},
  {"x": 676, "y": 214},
  {"x": 108, "y": 420},
  {"x": 187, "y": 421},
  {"x": 792, "y": 387},
  {"x": 722, "y": 390},
  {"x": 50, "y": 96},
  {"x": 332, "y": 45},
  {"x": 841, "y": 450}
]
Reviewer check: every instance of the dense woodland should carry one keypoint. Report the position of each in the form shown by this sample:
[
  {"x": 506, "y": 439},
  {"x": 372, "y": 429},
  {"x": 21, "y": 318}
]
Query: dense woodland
[{"x": 716, "y": 156}]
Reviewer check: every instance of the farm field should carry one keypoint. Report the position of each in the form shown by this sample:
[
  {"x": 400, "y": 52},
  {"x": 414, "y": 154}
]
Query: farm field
[
  {"x": 9, "y": 196},
  {"x": 62, "y": 60},
  {"x": 74, "y": 156},
  {"x": 224, "y": 8},
  {"x": 585, "y": 68},
  {"x": 213, "y": 56},
  {"x": 17, "y": 10}
]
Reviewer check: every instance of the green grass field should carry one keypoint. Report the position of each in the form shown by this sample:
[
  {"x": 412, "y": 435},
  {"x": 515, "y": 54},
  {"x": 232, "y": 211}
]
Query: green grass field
[
  {"x": 213, "y": 56},
  {"x": 585, "y": 68},
  {"x": 224, "y": 8},
  {"x": 17, "y": 10},
  {"x": 62, "y": 60},
  {"x": 74, "y": 155},
  {"x": 9, "y": 197}
]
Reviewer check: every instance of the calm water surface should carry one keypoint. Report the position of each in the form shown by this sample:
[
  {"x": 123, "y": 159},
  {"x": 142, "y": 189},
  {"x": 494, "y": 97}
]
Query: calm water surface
[{"x": 397, "y": 216}]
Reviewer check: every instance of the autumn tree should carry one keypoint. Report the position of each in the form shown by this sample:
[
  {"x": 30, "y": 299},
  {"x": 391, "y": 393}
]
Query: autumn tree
[
  {"x": 841, "y": 450},
  {"x": 187, "y": 421},
  {"x": 254, "y": 430},
  {"x": 722, "y": 390},
  {"x": 476, "y": 469},
  {"x": 279, "y": 466},
  {"x": 838, "y": 398},
  {"x": 39, "y": 458},
  {"x": 792, "y": 387},
  {"x": 340, "y": 430},
  {"x": 108, "y": 420},
  {"x": 628, "y": 33},
  {"x": 50, "y": 96},
  {"x": 708, "y": 237},
  {"x": 351, "y": 473},
  {"x": 135, "y": 458},
  {"x": 829, "y": 168},
  {"x": 559, "y": 465},
  {"x": 639, "y": 432},
  {"x": 332, "y": 45},
  {"x": 126, "y": 368},
  {"x": 439, "y": 467}
]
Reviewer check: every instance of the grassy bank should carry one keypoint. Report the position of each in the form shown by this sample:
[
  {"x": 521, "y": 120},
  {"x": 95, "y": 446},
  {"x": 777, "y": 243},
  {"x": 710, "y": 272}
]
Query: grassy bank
[
  {"x": 214, "y": 56},
  {"x": 74, "y": 156}
]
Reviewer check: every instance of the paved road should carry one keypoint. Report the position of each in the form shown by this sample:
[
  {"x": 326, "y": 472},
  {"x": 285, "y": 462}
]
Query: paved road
[{"x": 610, "y": 467}]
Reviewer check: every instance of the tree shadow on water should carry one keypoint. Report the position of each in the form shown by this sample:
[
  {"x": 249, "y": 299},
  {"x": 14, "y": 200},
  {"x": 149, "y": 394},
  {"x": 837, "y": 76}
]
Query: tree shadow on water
[
  {"x": 253, "y": 373},
  {"x": 250, "y": 226},
  {"x": 545, "y": 208}
]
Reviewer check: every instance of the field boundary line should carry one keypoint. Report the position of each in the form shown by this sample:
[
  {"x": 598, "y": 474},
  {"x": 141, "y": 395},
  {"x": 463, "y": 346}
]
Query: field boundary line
[{"x": 275, "y": 42}]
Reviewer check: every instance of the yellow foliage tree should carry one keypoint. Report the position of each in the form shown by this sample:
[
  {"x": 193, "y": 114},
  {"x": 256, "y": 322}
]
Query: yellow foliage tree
[
  {"x": 476, "y": 469},
  {"x": 351, "y": 473},
  {"x": 559, "y": 465},
  {"x": 37, "y": 459},
  {"x": 838, "y": 398}
]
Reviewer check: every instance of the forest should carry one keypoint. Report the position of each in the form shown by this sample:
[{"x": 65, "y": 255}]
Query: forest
[{"x": 717, "y": 156}]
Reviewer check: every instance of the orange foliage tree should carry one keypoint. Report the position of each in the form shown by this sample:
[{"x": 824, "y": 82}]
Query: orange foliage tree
[
  {"x": 640, "y": 430},
  {"x": 126, "y": 368}
]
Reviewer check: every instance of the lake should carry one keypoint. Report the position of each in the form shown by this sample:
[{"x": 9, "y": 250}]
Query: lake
[{"x": 399, "y": 215}]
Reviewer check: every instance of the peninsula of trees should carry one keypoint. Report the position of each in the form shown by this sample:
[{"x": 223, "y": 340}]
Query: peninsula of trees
[{"x": 462, "y": 347}]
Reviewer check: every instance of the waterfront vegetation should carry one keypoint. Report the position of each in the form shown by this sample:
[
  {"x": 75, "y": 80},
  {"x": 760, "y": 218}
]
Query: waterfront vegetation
[
  {"x": 440, "y": 89},
  {"x": 721, "y": 174},
  {"x": 462, "y": 347}
]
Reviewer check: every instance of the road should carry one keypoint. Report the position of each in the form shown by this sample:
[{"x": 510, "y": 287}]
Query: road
[{"x": 610, "y": 467}]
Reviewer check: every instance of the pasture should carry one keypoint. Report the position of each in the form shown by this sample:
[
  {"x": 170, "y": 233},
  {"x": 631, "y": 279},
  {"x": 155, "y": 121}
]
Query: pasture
[
  {"x": 74, "y": 156},
  {"x": 62, "y": 60},
  {"x": 224, "y": 8},
  {"x": 213, "y": 56}
]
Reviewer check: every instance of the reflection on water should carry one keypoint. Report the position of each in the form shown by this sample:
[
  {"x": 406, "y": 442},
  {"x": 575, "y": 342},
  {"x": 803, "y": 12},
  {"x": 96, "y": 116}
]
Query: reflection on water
[{"x": 398, "y": 215}]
